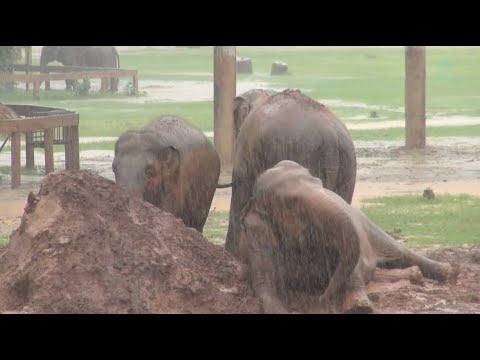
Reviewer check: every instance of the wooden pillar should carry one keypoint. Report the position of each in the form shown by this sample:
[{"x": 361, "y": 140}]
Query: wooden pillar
[
  {"x": 28, "y": 62},
  {"x": 29, "y": 151},
  {"x": 72, "y": 154},
  {"x": 415, "y": 71},
  {"x": 48, "y": 148},
  {"x": 36, "y": 89},
  {"x": 135, "y": 82},
  {"x": 224, "y": 90},
  {"x": 68, "y": 148},
  {"x": 16, "y": 166}
]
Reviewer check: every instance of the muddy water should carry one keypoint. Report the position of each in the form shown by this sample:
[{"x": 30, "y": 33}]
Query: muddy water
[{"x": 447, "y": 165}]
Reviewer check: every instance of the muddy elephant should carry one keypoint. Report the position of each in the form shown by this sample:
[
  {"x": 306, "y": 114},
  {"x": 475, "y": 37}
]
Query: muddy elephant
[
  {"x": 299, "y": 237},
  {"x": 290, "y": 126},
  {"x": 95, "y": 56},
  {"x": 171, "y": 165}
]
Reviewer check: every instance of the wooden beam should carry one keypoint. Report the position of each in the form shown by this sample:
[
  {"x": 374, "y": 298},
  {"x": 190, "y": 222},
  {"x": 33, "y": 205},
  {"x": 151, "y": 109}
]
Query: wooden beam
[
  {"x": 415, "y": 74},
  {"x": 39, "y": 123},
  {"x": 77, "y": 75},
  {"x": 224, "y": 91},
  {"x": 16, "y": 165}
]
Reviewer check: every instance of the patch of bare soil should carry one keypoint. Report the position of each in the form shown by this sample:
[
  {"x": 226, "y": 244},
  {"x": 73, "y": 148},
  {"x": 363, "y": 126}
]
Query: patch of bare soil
[
  {"x": 85, "y": 246},
  {"x": 430, "y": 297}
]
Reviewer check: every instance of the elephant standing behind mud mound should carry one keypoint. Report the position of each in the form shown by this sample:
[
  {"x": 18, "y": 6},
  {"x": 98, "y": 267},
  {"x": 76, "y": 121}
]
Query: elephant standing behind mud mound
[
  {"x": 172, "y": 165},
  {"x": 95, "y": 56},
  {"x": 290, "y": 126},
  {"x": 298, "y": 237}
]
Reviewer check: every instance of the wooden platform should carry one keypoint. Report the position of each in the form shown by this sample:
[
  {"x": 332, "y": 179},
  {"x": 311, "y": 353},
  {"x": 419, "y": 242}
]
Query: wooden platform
[
  {"x": 47, "y": 121},
  {"x": 38, "y": 74}
]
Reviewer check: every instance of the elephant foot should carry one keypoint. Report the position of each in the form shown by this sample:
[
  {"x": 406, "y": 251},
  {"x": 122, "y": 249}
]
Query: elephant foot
[
  {"x": 442, "y": 272},
  {"x": 357, "y": 302},
  {"x": 413, "y": 274}
]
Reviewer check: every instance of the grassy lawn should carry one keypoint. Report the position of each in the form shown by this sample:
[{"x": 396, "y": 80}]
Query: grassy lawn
[
  {"x": 216, "y": 227},
  {"x": 354, "y": 80},
  {"x": 445, "y": 220}
]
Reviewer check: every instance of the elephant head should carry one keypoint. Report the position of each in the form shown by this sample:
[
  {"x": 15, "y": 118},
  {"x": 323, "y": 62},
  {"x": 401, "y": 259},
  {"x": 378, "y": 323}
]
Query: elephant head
[
  {"x": 147, "y": 168},
  {"x": 245, "y": 103},
  {"x": 49, "y": 54}
]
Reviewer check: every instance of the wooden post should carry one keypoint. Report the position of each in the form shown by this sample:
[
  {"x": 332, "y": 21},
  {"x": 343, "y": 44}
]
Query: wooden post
[
  {"x": 29, "y": 151},
  {"x": 16, "y": 165},
  {"x": 48, "y": 148},
  {"x": 415, "y": 71},
  {"x": 75, "y": 155},
  {"x": 28, "y": 62},
  {"x": 224, "y": 90},
  {"x": 68, "y": 148},
  {"x": 36, "y": 89},
  {"x": 72, "y": 159},
  {"x": 135, "y": 82}
]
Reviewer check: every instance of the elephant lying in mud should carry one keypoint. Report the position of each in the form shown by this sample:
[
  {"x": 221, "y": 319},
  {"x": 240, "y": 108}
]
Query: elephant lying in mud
[
  {"x": 172, "y": 165},
  {"x": 290, "y": 126},
  {"x": 298, "y": 236}
]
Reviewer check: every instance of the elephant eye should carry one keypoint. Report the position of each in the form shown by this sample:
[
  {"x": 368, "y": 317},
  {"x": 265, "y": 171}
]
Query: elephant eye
[{"x": 149, "y": 171}]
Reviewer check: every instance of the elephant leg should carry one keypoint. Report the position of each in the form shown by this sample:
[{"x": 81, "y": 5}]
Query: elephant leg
[
  {"x": 241, "y": 192},
  {"x": 257, "y": 246},
  {"x": 114, "y": 85},
  {"x": 356, "y": 298},
  {"x": 347, "y": 243},
  {"x": 104, "y": 85},
  {"x": 393, "y": 254}
]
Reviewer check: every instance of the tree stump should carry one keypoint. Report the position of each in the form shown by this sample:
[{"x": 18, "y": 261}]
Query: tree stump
[
  {"x": 279, "y": 68},
  {"x": 244, "y": 66}
]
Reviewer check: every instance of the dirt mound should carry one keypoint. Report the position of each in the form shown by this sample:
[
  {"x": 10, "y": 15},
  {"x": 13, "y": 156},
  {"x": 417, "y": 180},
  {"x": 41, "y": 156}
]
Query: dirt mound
[
  {"x": 86, "y": 246},
  {"x": 405, "y": 296}
]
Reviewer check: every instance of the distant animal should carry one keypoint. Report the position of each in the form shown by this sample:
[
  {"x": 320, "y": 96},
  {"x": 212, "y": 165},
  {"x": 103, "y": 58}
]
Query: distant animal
[
  {"x": 298, "y": 236},
  {"x": 289, "y": 126},
  {"x": 171, "y": 165},
  {"x": 95, "y": 56}
]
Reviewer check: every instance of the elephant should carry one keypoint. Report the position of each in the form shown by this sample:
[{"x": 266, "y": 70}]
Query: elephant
[
  {"x": 290, "y": 126},
  {"x": 298, "y": 236},
  {"x": 94, "y": 56},
  {"x": 245, "y": 103},
  {"x": 171, "y": 165}
]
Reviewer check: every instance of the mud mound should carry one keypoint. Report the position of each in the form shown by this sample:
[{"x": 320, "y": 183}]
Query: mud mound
[{"x": 85, "y": 246}]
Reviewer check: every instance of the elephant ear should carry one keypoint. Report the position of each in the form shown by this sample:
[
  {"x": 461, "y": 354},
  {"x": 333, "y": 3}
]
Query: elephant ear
[
  {"x": 170, "y": 158},
  {"x": 241, "y": 109}
]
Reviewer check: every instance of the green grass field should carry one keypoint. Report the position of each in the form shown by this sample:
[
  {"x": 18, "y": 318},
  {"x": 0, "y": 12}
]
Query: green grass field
[{"x": 355, "y": 80}]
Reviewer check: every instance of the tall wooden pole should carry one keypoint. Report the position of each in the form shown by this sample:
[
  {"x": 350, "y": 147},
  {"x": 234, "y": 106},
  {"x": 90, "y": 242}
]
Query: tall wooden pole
[
  {"x": 28, "y": 62},
  {"x": 415, "y": 71},
  {"x": 224, "y": 90}
]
